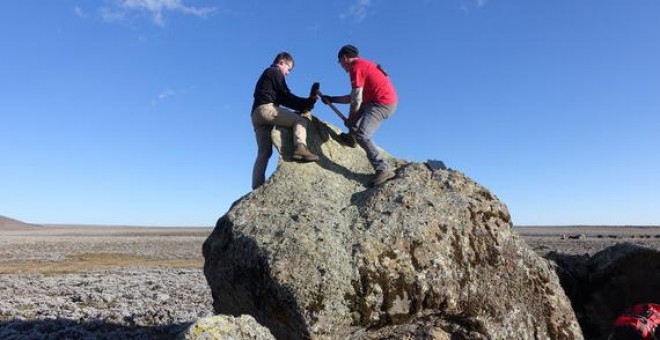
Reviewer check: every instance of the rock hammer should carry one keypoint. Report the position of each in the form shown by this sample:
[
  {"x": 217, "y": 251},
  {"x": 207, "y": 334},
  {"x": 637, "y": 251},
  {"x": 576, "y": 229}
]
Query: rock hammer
[
  {"x": 332, "y": 106},
  {"x": 347, "y": 138}
]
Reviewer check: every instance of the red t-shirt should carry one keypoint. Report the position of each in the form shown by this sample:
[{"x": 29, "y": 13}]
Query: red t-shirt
[{"x": 376, "y": 85}]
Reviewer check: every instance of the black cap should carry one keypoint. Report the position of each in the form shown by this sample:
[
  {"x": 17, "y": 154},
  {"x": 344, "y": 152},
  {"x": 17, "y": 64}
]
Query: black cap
[{"x": 349, "y": 51}]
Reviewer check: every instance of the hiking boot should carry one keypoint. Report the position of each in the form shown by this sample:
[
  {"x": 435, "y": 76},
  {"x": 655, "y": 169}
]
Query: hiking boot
[
  {"x": 302, "y": 154},
  {"x": 347, "y": 139},
  {"x": 382, "y": 177}
]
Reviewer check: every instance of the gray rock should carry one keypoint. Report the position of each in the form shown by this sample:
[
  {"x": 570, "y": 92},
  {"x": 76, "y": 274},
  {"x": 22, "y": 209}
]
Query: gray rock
[
  {"x": 603, "y": 286},
  {"x": 35, "y": 306},
  {"x": 226, "y": 327},
  {"x": 316, "y": 253}
]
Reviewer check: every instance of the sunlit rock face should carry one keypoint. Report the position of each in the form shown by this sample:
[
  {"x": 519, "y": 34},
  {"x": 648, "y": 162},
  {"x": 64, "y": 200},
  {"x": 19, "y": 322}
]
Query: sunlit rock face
[{"x": 317, "y": 253}]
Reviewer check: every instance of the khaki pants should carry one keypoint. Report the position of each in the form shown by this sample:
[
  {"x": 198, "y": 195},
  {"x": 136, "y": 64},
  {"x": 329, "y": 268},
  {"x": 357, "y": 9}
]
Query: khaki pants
[{"x": 264, "y": 117}]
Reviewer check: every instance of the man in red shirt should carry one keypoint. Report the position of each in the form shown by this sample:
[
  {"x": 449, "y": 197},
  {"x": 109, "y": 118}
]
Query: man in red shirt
[{"x": 373, "y": 99}]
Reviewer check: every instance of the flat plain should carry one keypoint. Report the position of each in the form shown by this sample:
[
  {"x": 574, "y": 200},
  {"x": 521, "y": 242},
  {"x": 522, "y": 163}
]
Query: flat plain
[
  {"x": 69, "y": 249},
  {"x": 63, "y": 281},
  {"x": 579, "y": 240},
  {"x": 97, "y": 282}
]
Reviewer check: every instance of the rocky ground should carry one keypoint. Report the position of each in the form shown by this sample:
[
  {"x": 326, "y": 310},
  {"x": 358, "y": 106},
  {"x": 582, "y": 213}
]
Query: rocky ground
[
  {"x": 580, "y": 240},
  {"x": 143, "y": 283},
  {"x": 91, "y": 283}
]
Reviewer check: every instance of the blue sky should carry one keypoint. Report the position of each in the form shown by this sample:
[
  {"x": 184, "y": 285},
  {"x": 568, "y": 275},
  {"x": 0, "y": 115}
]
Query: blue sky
[{"x": 137, "y": 111}]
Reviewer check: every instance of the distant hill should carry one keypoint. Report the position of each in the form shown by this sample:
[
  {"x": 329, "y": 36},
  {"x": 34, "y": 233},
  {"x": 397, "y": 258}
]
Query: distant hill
[{"x": 7, "y": 223}]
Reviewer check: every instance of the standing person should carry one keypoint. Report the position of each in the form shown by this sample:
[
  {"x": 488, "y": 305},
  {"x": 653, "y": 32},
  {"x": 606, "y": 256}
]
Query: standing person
[
  {"x": 373, "y": 99},
  {"x": 270, "y": 94}
]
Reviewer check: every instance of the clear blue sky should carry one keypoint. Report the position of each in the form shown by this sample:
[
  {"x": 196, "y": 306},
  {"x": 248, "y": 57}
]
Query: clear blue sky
[{"x": 137, "y": 111}]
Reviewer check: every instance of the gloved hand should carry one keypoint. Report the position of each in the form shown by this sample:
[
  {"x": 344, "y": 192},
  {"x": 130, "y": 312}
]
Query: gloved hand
[
  {"x": 326, "y": 100},
  {"x": 314, "y": 91},
  {"x": 349, "y": 124},
  {"x": 351, "y": 121},
  {"x": 309, "y": 105}
]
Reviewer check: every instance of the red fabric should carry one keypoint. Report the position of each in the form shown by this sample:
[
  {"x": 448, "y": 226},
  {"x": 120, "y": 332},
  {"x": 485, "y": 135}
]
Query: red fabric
[
  {"x": 644, "y": 318},
  {"x": 376, "y": 85}
]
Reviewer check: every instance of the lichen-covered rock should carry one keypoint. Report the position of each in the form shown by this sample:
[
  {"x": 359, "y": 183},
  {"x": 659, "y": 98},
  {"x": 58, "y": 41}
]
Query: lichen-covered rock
[
  {"x": 316, "y": 253},
  {"x": 220, "y": 327}
]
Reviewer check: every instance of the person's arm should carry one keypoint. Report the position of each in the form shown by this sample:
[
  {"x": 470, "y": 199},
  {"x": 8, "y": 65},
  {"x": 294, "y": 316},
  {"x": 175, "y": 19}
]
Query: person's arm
[
  {"x": 288, "y": 99},
  {"x": 355, "y": 99},
  {"x": 338, "y": 99},
  {"x": 356, "y": 102}
]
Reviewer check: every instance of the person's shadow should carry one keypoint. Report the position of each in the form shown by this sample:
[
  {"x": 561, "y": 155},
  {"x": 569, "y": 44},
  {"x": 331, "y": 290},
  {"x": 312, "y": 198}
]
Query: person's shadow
[{"x": 319, "y": 133}]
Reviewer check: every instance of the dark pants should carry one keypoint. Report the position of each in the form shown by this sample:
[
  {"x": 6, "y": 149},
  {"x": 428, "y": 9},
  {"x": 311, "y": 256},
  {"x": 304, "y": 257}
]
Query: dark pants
[{"x": 372, "y": 116}]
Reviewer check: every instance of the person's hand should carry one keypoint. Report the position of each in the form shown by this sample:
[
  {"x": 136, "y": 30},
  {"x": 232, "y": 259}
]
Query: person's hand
[
  {"x": 349, "y": 124},
  {"x": 326, "y": 100},
  {"x": 314, "y": 91},
  {"x": 309, "y": 105},
  {"x": 351, "y": 121}
]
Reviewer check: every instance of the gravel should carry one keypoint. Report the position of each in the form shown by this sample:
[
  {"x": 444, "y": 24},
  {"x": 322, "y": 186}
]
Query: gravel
[
  {"x": 91, "y": 283},
  {"x": 137, "y": 303}
]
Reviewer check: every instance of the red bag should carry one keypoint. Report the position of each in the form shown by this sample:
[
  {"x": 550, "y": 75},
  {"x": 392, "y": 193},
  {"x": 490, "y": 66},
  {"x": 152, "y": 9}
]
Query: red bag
[{"x": 641, "y": 321}]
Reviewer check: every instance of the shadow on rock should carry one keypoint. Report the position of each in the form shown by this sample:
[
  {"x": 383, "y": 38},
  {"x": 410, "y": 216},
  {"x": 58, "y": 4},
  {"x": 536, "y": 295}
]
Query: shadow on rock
[
  {"x": 238, "y": 272},
  {"x": 603, "y": 286},
  {"x": 324, "y": 142},
  {"x": 326, "y": 133},
  {"x": 93, "y": 329}
]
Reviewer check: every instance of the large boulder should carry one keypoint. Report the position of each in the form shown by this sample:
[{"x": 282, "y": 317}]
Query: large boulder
[
  {"x": 603, "y": 286},
  {"x": 316, "y": 253}
]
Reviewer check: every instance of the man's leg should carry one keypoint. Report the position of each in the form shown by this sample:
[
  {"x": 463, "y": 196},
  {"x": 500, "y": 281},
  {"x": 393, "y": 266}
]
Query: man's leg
[
  {"x": 283, "y": 117},
  {"x": 373, "y": 115},
  {"x": 278, "y": 116},
  {"x": 262, "y": 131},
  {"x": 274, "y": 115}
]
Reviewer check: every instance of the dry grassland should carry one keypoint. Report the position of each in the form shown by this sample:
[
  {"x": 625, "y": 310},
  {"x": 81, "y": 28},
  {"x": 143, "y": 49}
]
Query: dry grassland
[
  {"x": 61, "y": 249},
  {"x": 66, "y": 249},
  {"x": 578, "y": 240}
]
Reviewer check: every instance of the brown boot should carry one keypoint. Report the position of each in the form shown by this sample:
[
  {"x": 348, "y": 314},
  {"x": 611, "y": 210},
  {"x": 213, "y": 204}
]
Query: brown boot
[
  {"x": 382, "y": 177},
  {"x": 302, "y": 154}
]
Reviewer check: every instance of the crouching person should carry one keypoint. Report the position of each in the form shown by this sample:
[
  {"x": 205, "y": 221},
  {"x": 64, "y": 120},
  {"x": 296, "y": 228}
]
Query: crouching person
[{"x": 373, "y": 99}]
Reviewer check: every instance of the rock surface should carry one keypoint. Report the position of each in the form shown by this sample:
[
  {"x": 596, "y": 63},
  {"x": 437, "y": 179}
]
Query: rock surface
[
  {"x": 603, "y": 286},
  {"x": 316, "y": 253},
  {"x": 244, "y": 327}
]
